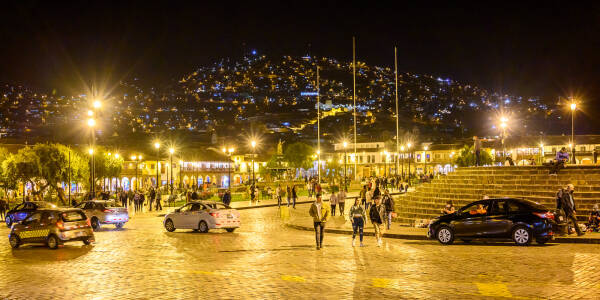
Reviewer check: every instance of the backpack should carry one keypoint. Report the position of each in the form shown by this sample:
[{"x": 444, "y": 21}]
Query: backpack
[
  {"x": 374, "y": 214},
  {"x": 389, "y": 203}
]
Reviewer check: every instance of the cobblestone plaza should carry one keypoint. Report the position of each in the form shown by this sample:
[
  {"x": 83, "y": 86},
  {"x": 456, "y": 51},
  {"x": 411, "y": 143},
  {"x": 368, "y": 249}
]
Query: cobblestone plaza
[{"x": 266, "y": 260}]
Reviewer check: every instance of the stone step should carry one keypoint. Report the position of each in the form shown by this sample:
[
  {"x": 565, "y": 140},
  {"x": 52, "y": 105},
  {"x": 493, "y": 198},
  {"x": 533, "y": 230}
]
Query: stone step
[
  {"x": 479, "y": 186},
  {"x": 435, "y": 192}
]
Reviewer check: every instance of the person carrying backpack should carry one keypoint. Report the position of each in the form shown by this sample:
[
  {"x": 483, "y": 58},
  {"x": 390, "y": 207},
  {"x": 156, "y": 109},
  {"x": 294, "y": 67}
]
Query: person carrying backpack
[{"x": 377, "y": 216}]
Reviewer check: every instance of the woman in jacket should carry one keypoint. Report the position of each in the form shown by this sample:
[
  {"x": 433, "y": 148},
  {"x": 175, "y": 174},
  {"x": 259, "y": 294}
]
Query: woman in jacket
[
  {"x": 320, "y": 212},
  {"x": 358, "y": 217}
]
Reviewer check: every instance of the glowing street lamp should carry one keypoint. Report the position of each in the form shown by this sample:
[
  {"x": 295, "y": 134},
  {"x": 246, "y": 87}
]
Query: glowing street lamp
[
  {"x": 90, "y": 113},
  {"x": 97, "y": 104},
  {"x": 91, "y": 122}
]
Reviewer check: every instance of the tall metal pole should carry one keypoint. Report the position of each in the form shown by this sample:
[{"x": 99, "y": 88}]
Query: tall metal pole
[
  {"x": 171, "y": 178},
  {"x": 354, "y": 99},
  {"x": 136, "y": 175},
  {"x": 157, "y": 183},
  {"x": 573, "y": 133},
  {"x": 397, "y": 122},
  {"x": 69, "y": 185},
  {"x": 318, "y": 129},
  {"x": 345, "y": 167}
]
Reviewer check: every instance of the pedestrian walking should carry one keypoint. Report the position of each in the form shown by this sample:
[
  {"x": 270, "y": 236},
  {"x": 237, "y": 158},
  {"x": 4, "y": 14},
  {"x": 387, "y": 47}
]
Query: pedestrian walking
[
  {"x": 3, "y": 205},
  {"x": 151, "y": 197},
  {"x": 377, "y": 215},
  {"x": 342, "y": 201},
  {"x": 389, "y": 204},
  {"x": 294, "y": 196},
  {"x": 363, "y": 195},
  {"x": 289, "y": 195},
  {"x": 227, "y": 197},
  {"x": 278, "y": 192},
  {"x": 333, "y": 202},
  {"x": 567, "y": 204},
  {"x": 358, "y": 218},
  {"x": 142, "y": 200},
  {"x": 320, "y": 214},
  {"x": 158, "y": 200},
  {"x": 309, "y": 189}
]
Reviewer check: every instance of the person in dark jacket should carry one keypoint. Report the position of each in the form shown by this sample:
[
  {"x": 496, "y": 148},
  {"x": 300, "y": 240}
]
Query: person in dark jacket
[
  {"x": 377, "y": 215},
  {"x": 227, "y": 198},
  {"x": 567, "y": 204},
  {"x": 389, "y": 204}
]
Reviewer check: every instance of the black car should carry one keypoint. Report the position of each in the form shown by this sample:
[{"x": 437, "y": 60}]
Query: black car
[
  {"x": 516, "y": 219},
  {"x": 23, "y": 210}
]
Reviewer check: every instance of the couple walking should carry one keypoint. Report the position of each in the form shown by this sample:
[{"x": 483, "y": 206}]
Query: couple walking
[{"x": 378, "y": 214}]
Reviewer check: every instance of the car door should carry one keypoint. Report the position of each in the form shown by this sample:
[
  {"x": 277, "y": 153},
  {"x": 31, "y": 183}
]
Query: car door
[
  {"x": 470, "y": 222},
  {"x": 194, "y": 216},
  {"x": 30, "y": 228},
  {"x": 181, "y": 218},
  {"x": 497, "y": 223}
]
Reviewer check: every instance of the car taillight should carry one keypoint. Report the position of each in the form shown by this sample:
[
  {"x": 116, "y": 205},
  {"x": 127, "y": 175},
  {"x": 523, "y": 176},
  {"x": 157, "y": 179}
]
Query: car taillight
[
  {"x": 546, "y": 215},
  {"x": 216, "y": 215},
  {"x": 60, "y": 225},
  {"x": 108, "y": 210}
]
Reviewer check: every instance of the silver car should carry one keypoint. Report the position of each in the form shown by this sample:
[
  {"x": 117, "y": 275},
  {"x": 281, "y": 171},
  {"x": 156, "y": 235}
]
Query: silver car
[
  {"x": 202, "y": 216},
  {"x": 102, "y": 212}
]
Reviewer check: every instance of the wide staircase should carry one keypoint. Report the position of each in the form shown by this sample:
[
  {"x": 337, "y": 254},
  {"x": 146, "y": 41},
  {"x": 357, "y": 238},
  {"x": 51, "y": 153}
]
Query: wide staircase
[{"x": 467, "y": 185}]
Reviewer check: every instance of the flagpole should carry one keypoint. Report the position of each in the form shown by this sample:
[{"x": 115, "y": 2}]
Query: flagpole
[
  {"x": 397, "y": 127},
  {"x": 354, "y": 100},
  {"x": 318, "y": 129}
]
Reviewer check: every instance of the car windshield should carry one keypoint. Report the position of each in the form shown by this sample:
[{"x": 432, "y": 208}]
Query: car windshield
[
  {"x": 112, "y": 204},
  {"x": 72, "y": 216}
]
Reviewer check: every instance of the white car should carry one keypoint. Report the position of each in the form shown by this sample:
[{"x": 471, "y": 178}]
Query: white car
[{"x": 202, "y": 216}]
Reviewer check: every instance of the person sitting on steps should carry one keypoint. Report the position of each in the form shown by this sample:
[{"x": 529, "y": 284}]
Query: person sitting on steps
[{"x": 562, "y": 157}]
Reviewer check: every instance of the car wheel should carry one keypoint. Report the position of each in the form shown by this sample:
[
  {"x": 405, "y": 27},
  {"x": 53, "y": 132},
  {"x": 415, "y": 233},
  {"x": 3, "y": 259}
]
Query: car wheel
[
  {"x": 95, "y": 223},
  {"x": 542, "y": 241},
  {"x": 119, "y": 225},
  {"x": 203, "y": 227},
  {"x": 169, "y": 226},
  {"x": 15, "y": 242},
  {"x": 52, "y": 242},
  {"x": 445, "y": 235},
  {"x": 230, "y": 229},
  {"x": 8, "y": 221},
  {"x": 521, "y": 236},
  {"x": 87, "y": 241}
]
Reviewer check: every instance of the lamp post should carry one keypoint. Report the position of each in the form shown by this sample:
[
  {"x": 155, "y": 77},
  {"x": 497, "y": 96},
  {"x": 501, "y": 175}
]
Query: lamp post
[
  {"x": 503, "y": 126},
  {"x": 573, "y": 108},
  {"x": 319, "y": 166},
  {"x": 345, "y": 166},
  {"x": 253, "y": 144},
  {"x": 91, "y": 152},
  {"x": 228, "y": 152},
  {"x": 171, "y": 151},
  {"x": 402, "y": 160},
  {"x": 409, "y": 158},
  {"x": 425, "y": 158},
  {"x": 180, "y": 171},
  {"x": 157, "y": 146},
  {"x": 541, "y": 153}
]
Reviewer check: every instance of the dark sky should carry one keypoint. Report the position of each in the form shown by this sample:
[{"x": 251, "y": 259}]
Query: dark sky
[{"x": 549, "y": 49}]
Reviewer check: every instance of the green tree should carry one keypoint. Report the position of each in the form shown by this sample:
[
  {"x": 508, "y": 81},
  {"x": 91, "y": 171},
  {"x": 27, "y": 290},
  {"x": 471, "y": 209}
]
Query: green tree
[
  {"x": 466, "y": 157},
  {"x": 299, "y": 155}
]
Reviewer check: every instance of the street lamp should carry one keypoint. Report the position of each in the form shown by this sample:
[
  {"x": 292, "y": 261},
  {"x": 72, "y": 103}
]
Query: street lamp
[
  {"x": 541, "y": 153},
  {"x": 253, "y": 144},
  {"x": 319, "y": 166},
  {"x": 425, "y": 158},
  {"x": 573, "y": 108},
  {"x": 171, "y": 151},
  {"x": 402, "y": 153},
  {"x": 345, "y": 144},
  {"x": 157, "y": 146},
  {"x": 228, "y": 152},
  {"x": 409, "y": 158},
  {"x": 91, "y": 152},
  {"x": 503, "y": 125}
]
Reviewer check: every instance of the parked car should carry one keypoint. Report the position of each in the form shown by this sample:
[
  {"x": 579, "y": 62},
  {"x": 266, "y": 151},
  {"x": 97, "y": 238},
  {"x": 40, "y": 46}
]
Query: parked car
[
  {"x": 52, "y": 227},
  {"x": 23, "y": 210},
  {"x": 102, "y": 212},
  {"x": 202, "y": 216},
  {"x": 504, "y": 218}
]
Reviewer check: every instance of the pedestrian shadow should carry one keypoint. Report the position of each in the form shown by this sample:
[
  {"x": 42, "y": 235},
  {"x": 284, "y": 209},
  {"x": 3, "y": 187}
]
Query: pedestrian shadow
[
  {"x": 39, "y": 252},
  {"x": 282, "y": 248},
  {"x": 112, "y": 228}
]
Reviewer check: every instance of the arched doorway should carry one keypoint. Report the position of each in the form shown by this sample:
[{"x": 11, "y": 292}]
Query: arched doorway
[{"x": 125, "y": 184}]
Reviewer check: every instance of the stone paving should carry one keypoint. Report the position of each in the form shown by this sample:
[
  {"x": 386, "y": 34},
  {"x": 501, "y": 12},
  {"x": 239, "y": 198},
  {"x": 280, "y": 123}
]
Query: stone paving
[{"x": 266, "y": 260}]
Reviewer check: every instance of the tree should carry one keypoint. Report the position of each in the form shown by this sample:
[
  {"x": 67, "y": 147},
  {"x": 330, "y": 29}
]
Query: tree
[
  {"x": 44, "y": 166},
  {"x": 466, "y": 157},
  {"x": 298, "y": 155},
  {"x": 106, "y": 166}
]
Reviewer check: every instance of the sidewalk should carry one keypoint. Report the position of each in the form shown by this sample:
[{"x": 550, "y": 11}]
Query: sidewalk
[{"x": 299, "y": 219}]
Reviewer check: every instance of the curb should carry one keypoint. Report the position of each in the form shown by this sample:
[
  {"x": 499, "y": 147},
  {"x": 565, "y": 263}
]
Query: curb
[{"x": 559, "y": 240}]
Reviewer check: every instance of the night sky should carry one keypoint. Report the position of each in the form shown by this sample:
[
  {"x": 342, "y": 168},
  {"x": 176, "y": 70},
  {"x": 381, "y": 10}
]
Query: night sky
[{"x": 545, "y": 49}]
